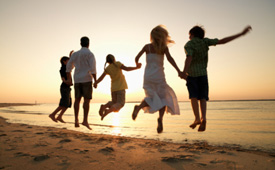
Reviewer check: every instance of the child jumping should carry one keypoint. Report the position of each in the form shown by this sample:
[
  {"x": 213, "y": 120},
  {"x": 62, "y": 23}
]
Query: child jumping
[
  {"x": 118, "y": 85},
  {"x": 159, "y": 96},
  {"x": 195, "y": 70},
  {"x": 65, "y": 91}
]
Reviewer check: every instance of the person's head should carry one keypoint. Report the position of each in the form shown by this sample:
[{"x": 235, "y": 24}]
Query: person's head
[
  {"x": 196, "y": 31},
  {"x": 110, "y": 59},
  {"x": 84, "y": 42},
  {"x": 160, "y": 39},
  {"x": 64, "y": 60}
]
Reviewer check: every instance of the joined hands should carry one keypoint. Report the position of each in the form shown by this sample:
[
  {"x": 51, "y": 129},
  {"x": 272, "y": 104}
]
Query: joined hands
[{"x": 182, "y": 75}]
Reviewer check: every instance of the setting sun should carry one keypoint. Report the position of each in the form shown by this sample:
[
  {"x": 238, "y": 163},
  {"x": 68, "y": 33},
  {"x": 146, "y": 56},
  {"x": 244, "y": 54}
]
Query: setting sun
[
  {"x": 49, "y": 122},
  {"x": 34, "y": 39}
]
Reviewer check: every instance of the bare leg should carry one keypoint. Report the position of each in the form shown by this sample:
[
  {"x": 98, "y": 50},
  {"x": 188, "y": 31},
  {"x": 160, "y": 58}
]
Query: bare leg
[
  {"x": 76, "y": 111},
  {"x": 106, "y": 112},
  {"x": 160, "y": 125},
  {"x": 195, "y": 107},
  {"x": 59, "y": 118},
  {"x": 137, "y": 109},
  {"x": 86, "y": 107},
  {"x": 52, "y": 116},
  {"x": 203, "y": 105}
]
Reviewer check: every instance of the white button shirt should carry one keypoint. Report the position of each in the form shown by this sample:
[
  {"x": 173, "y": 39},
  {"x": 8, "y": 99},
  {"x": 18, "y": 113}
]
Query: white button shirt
[{"x": 84, "y": 63}]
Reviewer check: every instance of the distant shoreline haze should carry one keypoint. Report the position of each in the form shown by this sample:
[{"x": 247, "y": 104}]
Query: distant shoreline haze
[{"x": 6, "y": 104}]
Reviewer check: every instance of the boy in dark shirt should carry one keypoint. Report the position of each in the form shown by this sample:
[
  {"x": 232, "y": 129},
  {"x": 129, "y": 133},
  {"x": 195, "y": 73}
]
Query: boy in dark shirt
[{"x": 65, "y": 91}]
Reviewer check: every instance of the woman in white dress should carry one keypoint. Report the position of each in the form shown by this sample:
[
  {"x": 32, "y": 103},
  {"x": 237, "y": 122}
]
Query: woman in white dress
[{"x": 159, "y": 95}]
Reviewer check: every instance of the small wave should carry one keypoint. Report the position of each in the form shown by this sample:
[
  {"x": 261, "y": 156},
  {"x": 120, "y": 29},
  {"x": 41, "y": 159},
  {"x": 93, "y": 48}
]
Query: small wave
[
  {"x": 110, "y": 126},
  {"x": 22, "y": 112}
]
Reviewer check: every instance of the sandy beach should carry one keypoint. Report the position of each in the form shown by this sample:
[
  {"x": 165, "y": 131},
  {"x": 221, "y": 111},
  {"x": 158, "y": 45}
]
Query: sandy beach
[{"x": 34, "y": 147}]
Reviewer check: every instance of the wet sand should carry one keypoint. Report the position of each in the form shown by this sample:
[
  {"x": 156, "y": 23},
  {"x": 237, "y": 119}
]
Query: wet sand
[{"x": 34, "y": 147}]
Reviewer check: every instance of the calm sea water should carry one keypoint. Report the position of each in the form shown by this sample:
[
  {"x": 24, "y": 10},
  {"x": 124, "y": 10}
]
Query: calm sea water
[{"x": 248, "y": 124}]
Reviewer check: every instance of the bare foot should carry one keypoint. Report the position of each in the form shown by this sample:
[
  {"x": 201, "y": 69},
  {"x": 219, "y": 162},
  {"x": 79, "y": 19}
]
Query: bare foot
[
  {"x": 194, "y": 125},
  {"x": 86, "y": 124},
  {"x": 60, "y": 120},
  {"x": 202, "y": 126},
  {"x": 135, "y": 113},
  {"x": 101, "y": 110},
  {"x": 160, "y": 126},
  {"x": 76, "y": 124},
  {"x": 103, "y": 115},
  {"x": 53, "y": 118}
]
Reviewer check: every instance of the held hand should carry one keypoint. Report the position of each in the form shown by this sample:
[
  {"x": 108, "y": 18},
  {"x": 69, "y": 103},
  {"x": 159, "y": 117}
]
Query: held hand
[
  {"x": 246, "y": 30},
  {"x": 95, "y": 85},
  {"x": 71, "y": 53},
  {"x": 139, "y": 65},
  {"x": 68, "y": 82},
  {"x": 183, "y": 75}
]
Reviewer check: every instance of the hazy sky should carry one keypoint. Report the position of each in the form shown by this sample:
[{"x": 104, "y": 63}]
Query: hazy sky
[{"x": 35, "y": 34}]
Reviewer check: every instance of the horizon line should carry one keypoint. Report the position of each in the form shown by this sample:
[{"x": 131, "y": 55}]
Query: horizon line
[{"x": 35, "y": 103}]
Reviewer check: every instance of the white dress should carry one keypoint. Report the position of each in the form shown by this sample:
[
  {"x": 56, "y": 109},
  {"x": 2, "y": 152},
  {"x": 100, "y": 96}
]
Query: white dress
[{"x": 158, "y": 92}]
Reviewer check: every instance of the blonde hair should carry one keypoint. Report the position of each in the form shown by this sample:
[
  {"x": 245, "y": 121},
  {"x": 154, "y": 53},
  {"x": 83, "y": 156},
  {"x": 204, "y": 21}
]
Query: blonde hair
[
  {"x": 160, "y": 39},
  {"x": 110, "y": 59}
]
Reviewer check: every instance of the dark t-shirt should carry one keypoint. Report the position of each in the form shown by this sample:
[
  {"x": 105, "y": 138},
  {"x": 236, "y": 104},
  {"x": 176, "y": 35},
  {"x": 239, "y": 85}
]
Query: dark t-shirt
[{"x": 64, "y": 75}]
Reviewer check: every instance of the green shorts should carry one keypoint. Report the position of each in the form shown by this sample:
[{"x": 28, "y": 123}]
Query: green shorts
[{"x": 83, "y": 90}]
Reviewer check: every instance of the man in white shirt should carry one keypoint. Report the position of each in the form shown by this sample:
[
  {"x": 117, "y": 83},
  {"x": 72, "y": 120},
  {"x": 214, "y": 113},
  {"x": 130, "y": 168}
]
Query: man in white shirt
[{"x": 85, "y": 70}]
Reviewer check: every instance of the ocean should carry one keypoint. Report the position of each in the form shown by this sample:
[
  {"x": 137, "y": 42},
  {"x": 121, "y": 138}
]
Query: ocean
[{"x": 244, "y": 124}]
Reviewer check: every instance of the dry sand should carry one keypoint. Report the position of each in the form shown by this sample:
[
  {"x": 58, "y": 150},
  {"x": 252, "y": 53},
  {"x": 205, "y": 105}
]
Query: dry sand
[{"x": 33, "y": 147}]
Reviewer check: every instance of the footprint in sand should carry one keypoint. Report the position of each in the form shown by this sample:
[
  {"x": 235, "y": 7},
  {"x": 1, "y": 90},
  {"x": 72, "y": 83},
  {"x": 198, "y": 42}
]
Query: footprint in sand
[
  {"x": 41, "y": 143},
  {"x": 122, "y": 140},
  {"x": 18, "y": 131},
  {"x": 80, "y": 151},
  {"x": 84, "y": 151},
  {"x": 65, "y": 141},
  {"x": 178, "y": 158},
  {"x": 221, "y": 151},
  {"x": 41, "y": 157},
  {"x": 216, "y": 161},
  {"x": 227, "y": 163},
  {"x": 130, "y": 147},
  {"x": 39, "y": 133},
  {"x": 54, "y": 135},
  {"x": 20, "y": 154},
  {"x": 107, "y": 150}
]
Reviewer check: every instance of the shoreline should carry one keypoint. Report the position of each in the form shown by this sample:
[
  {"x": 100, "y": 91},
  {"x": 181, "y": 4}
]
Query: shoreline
[
  {"x": 15, "y": 104},
  {"x": 53, "y": 148},
  {"x": 233, "y": 146},
  {"x": 238, "y": 100}
]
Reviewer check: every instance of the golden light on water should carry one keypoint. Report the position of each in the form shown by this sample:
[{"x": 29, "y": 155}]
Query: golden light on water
[
  {"x": 116, "y": 131},
  {"x": 115, "y": 120},
  {"x": 118, "y": 121}
]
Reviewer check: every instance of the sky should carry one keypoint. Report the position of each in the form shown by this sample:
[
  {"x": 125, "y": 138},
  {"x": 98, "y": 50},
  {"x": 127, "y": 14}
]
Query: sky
[{"x": 35, "y": 34}]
